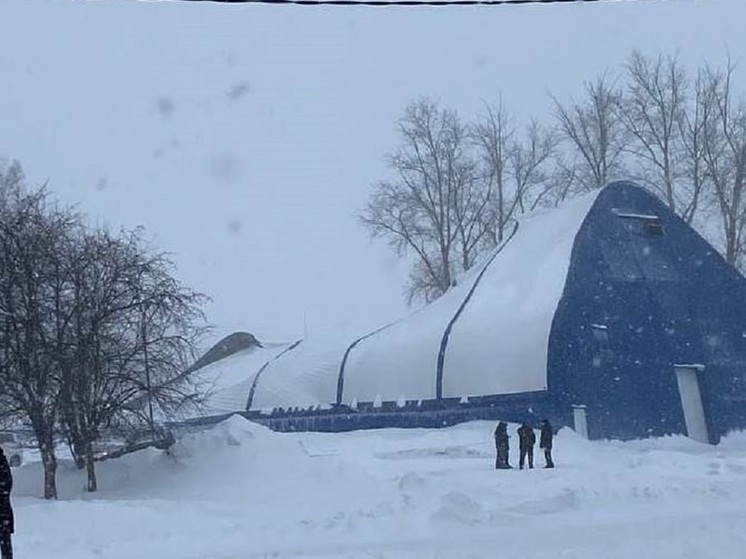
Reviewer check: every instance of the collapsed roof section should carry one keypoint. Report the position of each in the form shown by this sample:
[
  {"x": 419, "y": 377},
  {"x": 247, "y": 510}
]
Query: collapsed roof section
[{"x": 487, "y": 335}]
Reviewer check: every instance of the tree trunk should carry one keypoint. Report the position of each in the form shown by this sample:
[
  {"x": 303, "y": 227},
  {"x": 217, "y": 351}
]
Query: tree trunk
[
  {"x": 78, "y": 459},
  {"x": 91, "y": 468},
  {"x": 50, "y": 468},
  {"x": 78, "y": 456}
]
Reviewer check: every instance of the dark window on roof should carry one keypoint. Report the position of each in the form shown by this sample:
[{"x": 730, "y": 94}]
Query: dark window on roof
[
  {"x": 653, "y": 227},
  {"x": 600, "y": 333},
  {"x": 642, "y": 223}
]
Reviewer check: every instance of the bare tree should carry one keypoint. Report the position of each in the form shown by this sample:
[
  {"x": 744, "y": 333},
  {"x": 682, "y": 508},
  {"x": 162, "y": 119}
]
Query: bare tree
[
  {"x": 33, "y": 319},
  {"x": 459, "y": 189},
  {"x": 135, "y": 331},
  {"x": 493, "y": 134},
  {"x": 724, "y": 154},
  {"x": 529, "y": 162},
  {"x": 593, "y": 131},
  {"x": 93, "y": 327},
  {"x": 433, "y": 209},
  {"x": 664, "y": 136},
  {"x": 11, "y": 181},
  {"x": 516, "y": 165},
  {"x": 693, "y": 138},
  {"x": 470, "y": 203}
]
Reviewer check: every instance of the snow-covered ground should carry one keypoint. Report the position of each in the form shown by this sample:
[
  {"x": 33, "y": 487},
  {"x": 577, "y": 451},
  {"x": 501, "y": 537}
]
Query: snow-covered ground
[{"x": 242, "y": 491}]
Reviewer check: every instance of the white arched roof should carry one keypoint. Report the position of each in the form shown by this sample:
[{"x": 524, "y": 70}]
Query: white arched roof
[{"x": 499, "y": 343}]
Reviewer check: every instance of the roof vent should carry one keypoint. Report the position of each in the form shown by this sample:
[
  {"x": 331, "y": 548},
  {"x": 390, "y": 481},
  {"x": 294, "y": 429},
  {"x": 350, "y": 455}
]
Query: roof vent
[{"x": 650, "y": 224}]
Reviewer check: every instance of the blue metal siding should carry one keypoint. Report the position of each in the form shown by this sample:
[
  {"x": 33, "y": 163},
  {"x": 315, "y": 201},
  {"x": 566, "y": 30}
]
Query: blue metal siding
[
  {"x": 664, "y": 299},
  {"x": 530, "y": 407}
]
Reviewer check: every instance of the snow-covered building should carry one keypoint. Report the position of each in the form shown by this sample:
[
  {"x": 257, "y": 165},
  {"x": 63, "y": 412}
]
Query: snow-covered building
[{"x": 609, "y": 314}]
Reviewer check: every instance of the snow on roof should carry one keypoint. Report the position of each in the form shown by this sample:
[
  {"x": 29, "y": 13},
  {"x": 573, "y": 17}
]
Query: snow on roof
[
  {"x": 229, "y": 380},
  {"x": 635, "y": 215},
  {"x": 302, "y": 377},
  {"x": 497, "y": 345},
  {"x": 401, "y": 359}
]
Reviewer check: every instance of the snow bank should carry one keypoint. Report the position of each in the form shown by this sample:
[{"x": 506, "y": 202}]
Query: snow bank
[{"x": 240, "y": 491}]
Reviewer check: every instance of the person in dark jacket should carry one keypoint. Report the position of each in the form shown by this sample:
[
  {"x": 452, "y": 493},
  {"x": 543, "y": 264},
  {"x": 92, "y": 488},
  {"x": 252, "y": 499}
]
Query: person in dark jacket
[
  {"x": 6, "y": 510},
  {"x": 526, "y": 442},
  {"x": 501, "y": 446},
  {"x": 545, "y": 442}
]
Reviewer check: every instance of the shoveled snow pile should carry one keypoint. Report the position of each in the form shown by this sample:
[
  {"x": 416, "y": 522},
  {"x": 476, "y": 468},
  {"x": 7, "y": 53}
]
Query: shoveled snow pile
[{"x": 239, "y": 490}]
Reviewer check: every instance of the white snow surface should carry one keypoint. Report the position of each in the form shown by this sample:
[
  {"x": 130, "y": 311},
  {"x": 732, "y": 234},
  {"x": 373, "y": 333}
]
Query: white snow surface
[
  {"x": 400, "y": 360},
  {"x": 304, "y": 376},
  {"x": 240, "y": 491},
  {"x": 498, "y": 345},
  {"x": 227, "y": 382}
]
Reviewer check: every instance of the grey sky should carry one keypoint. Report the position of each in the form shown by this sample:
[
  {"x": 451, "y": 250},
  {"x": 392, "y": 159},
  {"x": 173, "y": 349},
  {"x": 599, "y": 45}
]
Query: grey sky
[{"x": 245, "y": 138}]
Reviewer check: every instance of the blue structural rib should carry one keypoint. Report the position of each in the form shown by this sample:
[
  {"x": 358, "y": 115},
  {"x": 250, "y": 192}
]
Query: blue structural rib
[
  {"x": 449, "y": 327},
  {"x": 250, "y": 399},
  {"x": 341, "y": 376},
  {"x": 444, "y": 339}
]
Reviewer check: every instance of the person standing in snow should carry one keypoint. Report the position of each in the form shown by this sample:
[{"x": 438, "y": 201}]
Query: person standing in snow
[
  {"x": 545, "y": 442},
  {"x": 526, "y": 442},
  {"x": 501, "y": 446},
  {"x": 6, "y": 510}
]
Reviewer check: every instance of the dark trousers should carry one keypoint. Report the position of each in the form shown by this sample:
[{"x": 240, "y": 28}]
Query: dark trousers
[
  {"x": 528, "y": 451},
  {"x": 6, "y": 548},
  {"x": 501, "y": 462},
  {"x": 548, "y": 457}
]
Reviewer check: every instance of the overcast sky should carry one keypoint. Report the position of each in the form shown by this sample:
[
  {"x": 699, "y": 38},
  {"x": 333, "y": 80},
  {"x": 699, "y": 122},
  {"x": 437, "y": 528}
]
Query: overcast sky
[{"x": 245, "y": 138}]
